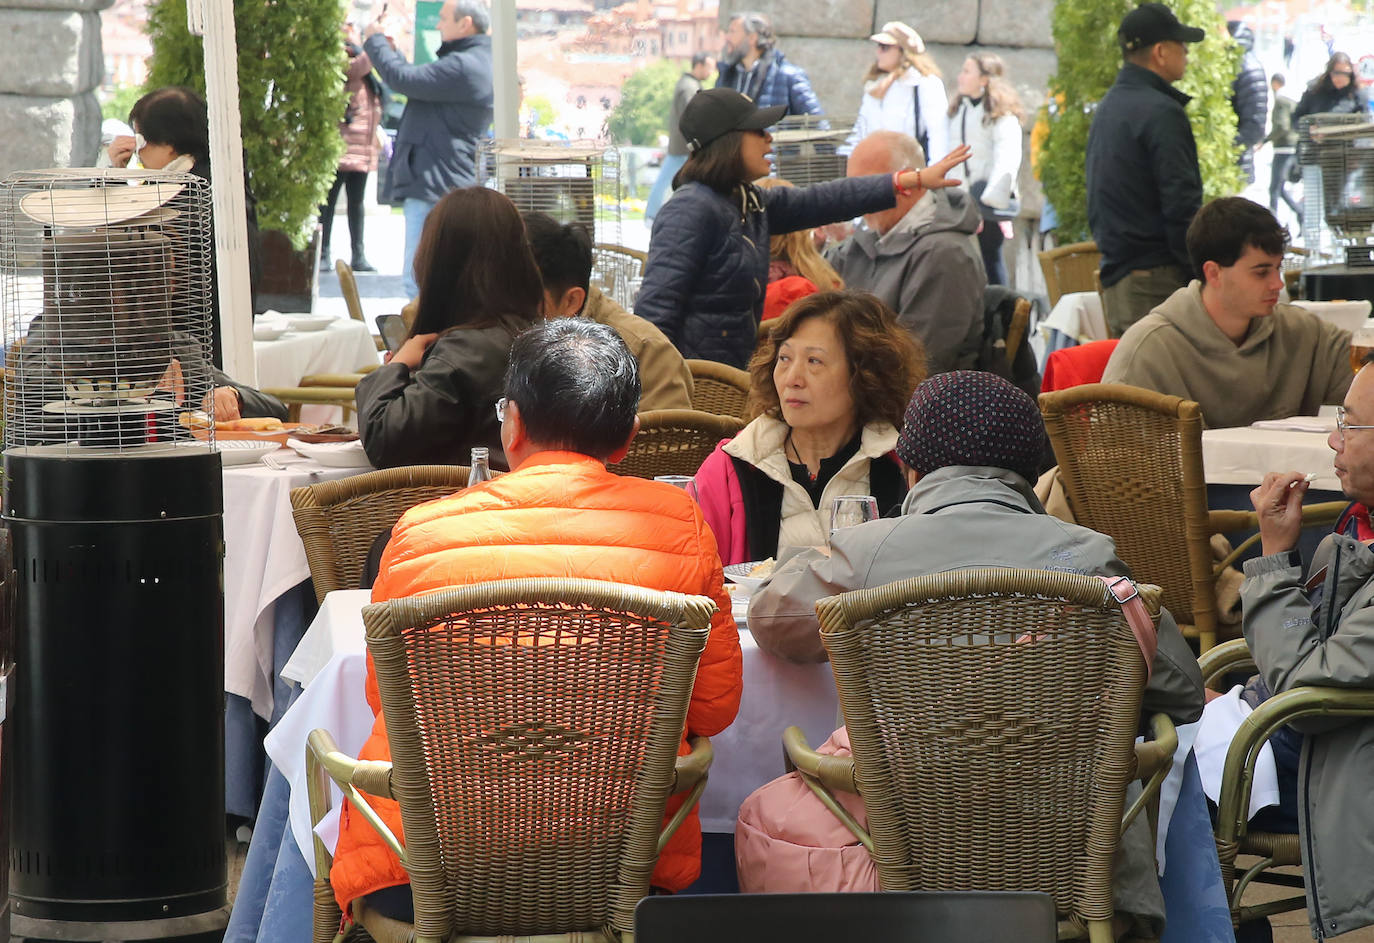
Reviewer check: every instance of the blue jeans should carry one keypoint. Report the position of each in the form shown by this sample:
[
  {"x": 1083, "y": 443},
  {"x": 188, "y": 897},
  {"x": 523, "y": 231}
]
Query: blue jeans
[
  {"x": 415, "y": 213},
  {"x": 672, "y": 163}
]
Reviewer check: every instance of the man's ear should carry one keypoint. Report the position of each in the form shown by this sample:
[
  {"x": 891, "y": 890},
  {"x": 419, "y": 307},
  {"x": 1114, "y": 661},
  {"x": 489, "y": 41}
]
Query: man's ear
[
  {"x": 619, "y": 454},
  {"x": 1211, "y": 271},
  {"x": 572, "y": 301}
]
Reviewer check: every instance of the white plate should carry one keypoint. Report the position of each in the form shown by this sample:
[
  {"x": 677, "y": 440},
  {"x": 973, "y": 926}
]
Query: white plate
[
  {"x": 310, "y": 324},
  {"x": 739, "y": 573},
  {"x": 243, "y": 451},
  {"x": 336, "y": 454}
]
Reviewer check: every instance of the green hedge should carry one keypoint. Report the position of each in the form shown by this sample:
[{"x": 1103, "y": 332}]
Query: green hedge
[
  {"x": 291, "y": 97},
  {"x": 1089, "y": 58}
]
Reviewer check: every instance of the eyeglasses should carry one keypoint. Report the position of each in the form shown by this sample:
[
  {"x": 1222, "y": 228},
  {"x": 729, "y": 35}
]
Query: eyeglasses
[
  {"x": 884, "y": 47},
  {"x": 1349, "y": 75},
  {"x": 501, "y": 409},
  {"x": 1342, "y": 427}
]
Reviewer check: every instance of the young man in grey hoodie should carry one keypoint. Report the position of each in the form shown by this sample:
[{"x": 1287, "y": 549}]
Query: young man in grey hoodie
[
  {"x": 1224, "y": 341},
  {"x": 919, "y": 257}
]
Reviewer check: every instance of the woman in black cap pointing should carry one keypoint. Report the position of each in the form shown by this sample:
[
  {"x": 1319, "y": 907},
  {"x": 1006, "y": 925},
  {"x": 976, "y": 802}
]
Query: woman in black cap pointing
[{"x": 708, "y": 255}]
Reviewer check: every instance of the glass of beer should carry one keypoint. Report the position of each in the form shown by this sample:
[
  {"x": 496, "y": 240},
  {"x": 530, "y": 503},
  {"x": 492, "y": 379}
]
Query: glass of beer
[{"x": 1361, "y": 345}]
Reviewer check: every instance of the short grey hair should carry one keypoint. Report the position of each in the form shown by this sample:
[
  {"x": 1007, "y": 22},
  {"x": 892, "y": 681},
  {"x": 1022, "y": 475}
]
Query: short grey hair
[
  {"x": 479, "y": 10},
  {"x": 757, "y": 24},
  {"x": 903, "y": 151}
]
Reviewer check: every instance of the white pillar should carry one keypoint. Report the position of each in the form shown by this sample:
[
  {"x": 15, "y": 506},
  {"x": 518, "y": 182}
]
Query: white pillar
[
  {"x": 214, "y": 19},
  {"x": 504, "y": 79}
]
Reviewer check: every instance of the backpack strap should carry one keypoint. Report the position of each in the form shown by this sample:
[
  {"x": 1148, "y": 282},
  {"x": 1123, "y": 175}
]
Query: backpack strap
[{"x": 1137, "y": 617}]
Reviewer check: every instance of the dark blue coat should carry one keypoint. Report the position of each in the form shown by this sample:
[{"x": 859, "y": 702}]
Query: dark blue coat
[
  {"x": 774, "y": 81},
  {"x": 708, "y": 257},
  {"x": 1143, "y": 182},
  {"x": 448, "y": 108}
]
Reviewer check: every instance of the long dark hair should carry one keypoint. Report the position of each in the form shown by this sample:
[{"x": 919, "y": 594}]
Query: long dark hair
[
  {"x": 1324, "y": 83},
  {"x": 719, "y": 165},
  {"x": 474, "y": 264}
]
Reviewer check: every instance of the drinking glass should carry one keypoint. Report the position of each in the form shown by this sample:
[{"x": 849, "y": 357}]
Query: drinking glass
[
  {"x": 1361, "y": 343},
  {"x": 686, "y": 482},
  {"x": 852, "y": 509}
]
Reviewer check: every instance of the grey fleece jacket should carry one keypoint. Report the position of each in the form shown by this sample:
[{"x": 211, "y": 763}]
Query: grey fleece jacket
[
  {"x": 1289, "y": 364},
  {"x": 965, "y": 516},
  {"x": 1333, "y": 646},
  {"x": 931, "y": 276}
]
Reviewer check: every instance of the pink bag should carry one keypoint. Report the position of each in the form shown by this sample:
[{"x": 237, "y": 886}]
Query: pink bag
[{"x": 787, "y": 842}]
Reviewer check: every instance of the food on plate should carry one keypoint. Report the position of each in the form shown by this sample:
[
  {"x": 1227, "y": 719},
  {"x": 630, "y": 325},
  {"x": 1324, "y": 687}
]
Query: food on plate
[
  {"x": 325, "y": 433},
  {"x": 260, "y": 424},
  {"x": 763, "y": 568}
]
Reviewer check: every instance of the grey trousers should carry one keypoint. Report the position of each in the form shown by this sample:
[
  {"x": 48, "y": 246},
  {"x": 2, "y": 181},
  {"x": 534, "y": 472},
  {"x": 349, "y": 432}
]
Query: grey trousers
[{"x": 1134, "y": 296}]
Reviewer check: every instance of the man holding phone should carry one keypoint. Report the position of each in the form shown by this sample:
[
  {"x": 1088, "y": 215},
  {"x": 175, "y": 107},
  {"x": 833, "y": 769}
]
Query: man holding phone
[{"x": 449, "y": 106}]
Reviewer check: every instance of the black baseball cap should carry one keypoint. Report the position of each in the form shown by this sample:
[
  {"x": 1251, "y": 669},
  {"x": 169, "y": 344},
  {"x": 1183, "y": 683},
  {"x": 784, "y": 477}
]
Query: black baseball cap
[
  {"x": 716, "y": 111},
  {"x": 1152, "y": 23}
]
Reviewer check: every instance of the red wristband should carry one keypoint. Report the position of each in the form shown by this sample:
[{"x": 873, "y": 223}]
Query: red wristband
[{"x": 901, "y": 190}]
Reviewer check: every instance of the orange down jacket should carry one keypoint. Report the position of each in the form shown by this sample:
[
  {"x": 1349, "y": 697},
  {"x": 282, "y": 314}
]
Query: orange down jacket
[{"x": 575, "y": 519}]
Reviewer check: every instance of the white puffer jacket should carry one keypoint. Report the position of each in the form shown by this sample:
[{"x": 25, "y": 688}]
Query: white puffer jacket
[
  {"x": 896, "y": 111},
  {"x": 996, "y": 154}
]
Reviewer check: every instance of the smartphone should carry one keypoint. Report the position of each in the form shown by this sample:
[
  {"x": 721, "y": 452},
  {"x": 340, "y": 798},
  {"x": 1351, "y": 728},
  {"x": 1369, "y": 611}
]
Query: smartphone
[{"x": 392, "y": 327}]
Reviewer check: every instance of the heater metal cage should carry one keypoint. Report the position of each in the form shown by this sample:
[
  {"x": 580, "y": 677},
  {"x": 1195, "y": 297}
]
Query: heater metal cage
[
  {"x": 806, "y": 148},
  {"x": 577, "y": 181},
  {"x": 105, "y": 289},
  {"x": 1336, "y": 153}
]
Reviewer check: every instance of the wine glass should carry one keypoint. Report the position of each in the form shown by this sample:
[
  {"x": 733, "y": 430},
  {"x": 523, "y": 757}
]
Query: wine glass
[{"x": 851, "y": 509}]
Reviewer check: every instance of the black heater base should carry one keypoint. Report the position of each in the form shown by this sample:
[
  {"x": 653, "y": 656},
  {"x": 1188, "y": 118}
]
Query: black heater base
[{"x": 117, "y": 776}]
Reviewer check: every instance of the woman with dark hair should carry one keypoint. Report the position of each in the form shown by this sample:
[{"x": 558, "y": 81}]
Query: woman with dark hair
[
  {"x": 829, "y": 384},
  {"x": 479, "y": 287},
  {"x": 1335, "y": 90},
  {"x": 708, "y": 256},
  {"x": 985, "y": 113}
]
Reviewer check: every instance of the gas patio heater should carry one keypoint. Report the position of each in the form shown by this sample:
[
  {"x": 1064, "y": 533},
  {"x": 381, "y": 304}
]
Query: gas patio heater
[{"x": 114, "y": 515}]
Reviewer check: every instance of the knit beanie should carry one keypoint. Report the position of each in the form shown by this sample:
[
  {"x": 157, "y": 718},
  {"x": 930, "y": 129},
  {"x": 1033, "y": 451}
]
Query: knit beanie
[{"x": 970, "y": 417}]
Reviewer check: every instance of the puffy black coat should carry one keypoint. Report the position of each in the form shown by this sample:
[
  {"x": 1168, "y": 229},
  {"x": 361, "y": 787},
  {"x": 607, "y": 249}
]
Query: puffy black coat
[
  {"x": 708, "y": 257},
  {"x": 1320, "y": 99},
  {"x": 1250, "y": 99}
]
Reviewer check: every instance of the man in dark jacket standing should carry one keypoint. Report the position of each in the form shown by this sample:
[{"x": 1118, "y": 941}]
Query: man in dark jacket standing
[
  {"x": 1249, "y": 98},
  {"x": 751, "y": 65},
  {"x": 1285, "y": 141},
  {"x": 449, "y": 106},
  {"x": 1143, "y": 182}
]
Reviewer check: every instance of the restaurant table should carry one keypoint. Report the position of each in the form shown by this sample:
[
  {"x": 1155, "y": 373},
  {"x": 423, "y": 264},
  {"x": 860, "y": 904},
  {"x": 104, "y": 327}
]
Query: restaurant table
[
  {"x": 274, "y": 897},
  {"x": 267, "y": 604},
  {"x": 343, "y": 347},
  {"x": 1076, "y": 318},
  {"x": 1243, "y": 455}
]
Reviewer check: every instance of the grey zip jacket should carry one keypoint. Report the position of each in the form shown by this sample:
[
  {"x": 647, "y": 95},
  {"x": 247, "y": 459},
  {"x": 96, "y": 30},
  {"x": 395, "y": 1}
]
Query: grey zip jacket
[{"x": 1332, "y": 645}]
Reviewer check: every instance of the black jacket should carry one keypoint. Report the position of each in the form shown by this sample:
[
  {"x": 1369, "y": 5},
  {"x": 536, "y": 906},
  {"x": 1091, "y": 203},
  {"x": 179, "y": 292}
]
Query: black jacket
[
  {"x": 1142, "y": 175},
  {"x": 1317, "y": 100},
  {"x": 1250, "y": 99},
  {"x": 435, "y": 415}
]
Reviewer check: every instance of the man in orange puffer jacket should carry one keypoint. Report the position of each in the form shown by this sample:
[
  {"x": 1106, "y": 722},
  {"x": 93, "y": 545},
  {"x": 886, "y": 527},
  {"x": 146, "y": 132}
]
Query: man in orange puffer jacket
[{"x": 572, "y": 391}]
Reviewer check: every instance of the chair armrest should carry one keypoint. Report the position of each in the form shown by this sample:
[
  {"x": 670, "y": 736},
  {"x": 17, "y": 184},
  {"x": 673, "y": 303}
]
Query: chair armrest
[
  {"x": 1223, "y": 658},
  {"x": 1224, "y": 522},
  {"x": 332, "y": 379},
  {"x": 1228, "y": 522},
  {"x": 1233, "y": 807},
  {"x": 1153, "y": 760},
  {"x": 822, "y": 772},
  {"x": 690, "y": 774},
  {"x": 351, "y": 775}
]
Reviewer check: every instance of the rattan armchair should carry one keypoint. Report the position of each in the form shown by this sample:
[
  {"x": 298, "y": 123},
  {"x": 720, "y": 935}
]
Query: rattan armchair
[
  {"x": 339, "y": 520},
  {"x": 719, "y": 388},
  {"x": 1233, "y": 834},
  {"x": 534, "y": 726},
  {"x": 675, "y": 442},
  {"x": 992, "y": 714},
  {"x": 614, "y": 268},
  {"x": 1131, "y": 464},
  {"x": 348, "y": 287},
  {"x": 297, "y": 396},
  {"x": 1070, "y": 268}
]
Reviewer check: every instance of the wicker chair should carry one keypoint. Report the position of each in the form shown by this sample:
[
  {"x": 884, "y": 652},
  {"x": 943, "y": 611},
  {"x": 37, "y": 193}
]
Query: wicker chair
[
  {"x": 534, "y": 727},
  {"x": 1234, "y": 838},
  {"x": 992, "y": 713},
  {"x": 719, "y": 388},
  {"x": 348, "y": 287},
  {"x": 1131, "y": 464},
  {"x": 675, "y": 442},
  {"x": 613, "y": 268},
  {"x": 1070, "y": 268},
  {"x": 339, "y": 520},
  {"x": 297, "y": 396}
]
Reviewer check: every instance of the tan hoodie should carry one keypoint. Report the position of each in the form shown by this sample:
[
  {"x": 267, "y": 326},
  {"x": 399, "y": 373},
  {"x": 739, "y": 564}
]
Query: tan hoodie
[{"x": 1290, "y": 363}]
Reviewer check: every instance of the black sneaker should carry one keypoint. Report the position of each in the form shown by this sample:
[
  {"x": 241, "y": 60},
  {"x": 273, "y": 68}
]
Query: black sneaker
[
  {"x": 325, "y": 264},
  {"x": 363, "y": 265}
]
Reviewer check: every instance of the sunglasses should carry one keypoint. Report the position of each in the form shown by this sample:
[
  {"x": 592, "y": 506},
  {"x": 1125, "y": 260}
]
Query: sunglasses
[
  {"x": 1349, "y": 75},
  {"x": 884, "y": 47}
]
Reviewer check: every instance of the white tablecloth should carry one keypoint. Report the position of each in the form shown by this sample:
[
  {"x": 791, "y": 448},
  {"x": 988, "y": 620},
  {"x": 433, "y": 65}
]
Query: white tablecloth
[
  {"x": 1242, "y": 456},
  {"x": 263, "y": 558},
  {"x": 331, "y": 663},
  {"x": 1078, "y": 314},
  {"x": 343, "y": 347}
]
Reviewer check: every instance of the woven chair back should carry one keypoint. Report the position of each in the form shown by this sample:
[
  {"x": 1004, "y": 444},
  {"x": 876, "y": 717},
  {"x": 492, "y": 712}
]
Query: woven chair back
[
  {"x": 675, "y": 442},
  {"x": 1070, "y": 268},
  {"x": 534, "y": 726},
  {"x": 338, "y": 520},
  {"x": 992, "y": 714},
  {"x": 1131, "y": 464},
  {"x": 719, "y": 388},
  {"x": 614, "y": 268},
  {"x": 348, "y": 287}
]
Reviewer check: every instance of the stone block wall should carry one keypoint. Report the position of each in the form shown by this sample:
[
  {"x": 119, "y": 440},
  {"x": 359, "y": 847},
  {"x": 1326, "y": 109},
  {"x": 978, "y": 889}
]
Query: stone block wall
[
  {"x": 830, "y": 41},
  {"x": 47, "y": 92}
]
